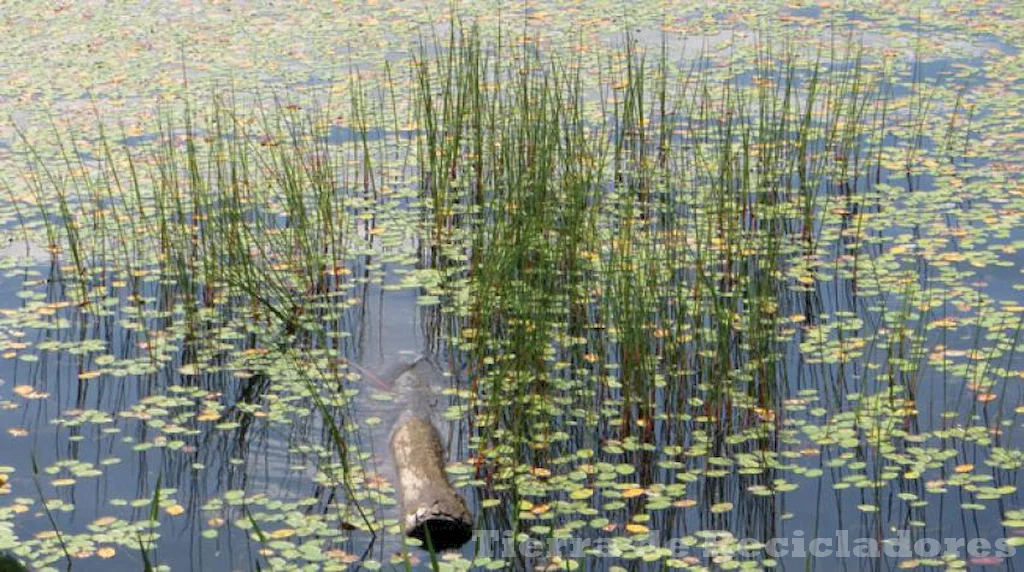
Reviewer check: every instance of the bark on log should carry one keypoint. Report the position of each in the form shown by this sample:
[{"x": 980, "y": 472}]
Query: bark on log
[{"x": 429, "y": 504}]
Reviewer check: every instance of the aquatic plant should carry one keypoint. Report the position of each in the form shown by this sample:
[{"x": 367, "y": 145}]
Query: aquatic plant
[{"x": 657, "y": 284}]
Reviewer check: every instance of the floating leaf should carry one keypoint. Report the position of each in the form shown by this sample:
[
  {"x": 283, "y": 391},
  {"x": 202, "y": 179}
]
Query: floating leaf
[
  {"x": 175, "y": 510},
  {"x": 581, "y": 494},
  {"x": 208, "y": 415},
  {"x": 106, "y": 552},
  {"x": 721, "y": 507}
]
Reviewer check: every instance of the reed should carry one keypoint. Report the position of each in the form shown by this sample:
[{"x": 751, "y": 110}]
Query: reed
[{"x": 626, "y": 257}]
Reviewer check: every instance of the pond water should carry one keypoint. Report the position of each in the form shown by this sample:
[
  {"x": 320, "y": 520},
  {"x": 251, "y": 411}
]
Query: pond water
[
  {"x": 55, "y": 428},
  {"x": 616, "y": 409}
]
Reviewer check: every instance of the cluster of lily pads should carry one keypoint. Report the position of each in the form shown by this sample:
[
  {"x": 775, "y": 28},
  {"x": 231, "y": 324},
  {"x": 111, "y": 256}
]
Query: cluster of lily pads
[{"x": 696, "y": 298}]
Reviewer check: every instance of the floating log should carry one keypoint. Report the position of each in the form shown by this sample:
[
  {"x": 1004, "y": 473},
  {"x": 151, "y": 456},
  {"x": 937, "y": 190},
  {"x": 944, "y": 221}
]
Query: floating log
[{"x": 431, "y": 509}]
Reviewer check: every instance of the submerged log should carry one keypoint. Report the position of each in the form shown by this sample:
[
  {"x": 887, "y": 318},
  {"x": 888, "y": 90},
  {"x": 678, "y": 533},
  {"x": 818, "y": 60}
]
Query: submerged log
[{"x": 431, "y": 509}]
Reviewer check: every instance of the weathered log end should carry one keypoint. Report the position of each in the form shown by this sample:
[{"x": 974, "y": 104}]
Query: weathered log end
[
  {"x": 429, "y": 504},
  {"x": 446, "y": 532}
]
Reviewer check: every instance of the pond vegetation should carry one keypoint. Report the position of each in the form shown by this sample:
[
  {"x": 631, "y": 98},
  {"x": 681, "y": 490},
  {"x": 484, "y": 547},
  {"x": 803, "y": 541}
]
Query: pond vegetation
[{"x": 685, "y": 294}]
